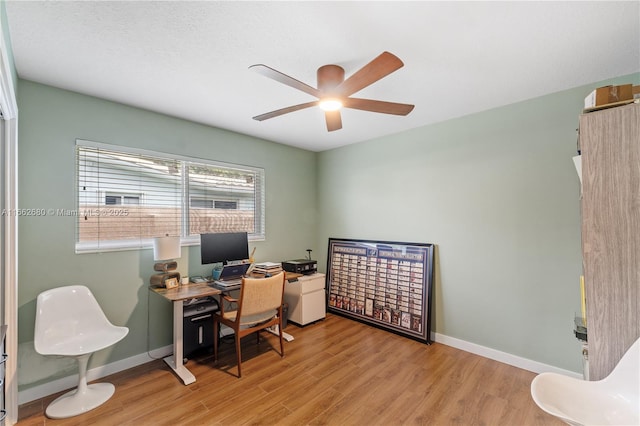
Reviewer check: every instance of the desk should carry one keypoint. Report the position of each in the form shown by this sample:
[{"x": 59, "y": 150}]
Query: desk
[
  {"x": 288, "y": 276},
  {"x": 178, "y": 295}
]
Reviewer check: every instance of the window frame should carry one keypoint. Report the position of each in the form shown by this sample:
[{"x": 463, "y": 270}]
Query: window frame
[
  {"x": 122, "y": 196},
  {"x": 217, "y": 203},
  {"x": 213, "y": 201},
  {"x": 185, "y": 239}
]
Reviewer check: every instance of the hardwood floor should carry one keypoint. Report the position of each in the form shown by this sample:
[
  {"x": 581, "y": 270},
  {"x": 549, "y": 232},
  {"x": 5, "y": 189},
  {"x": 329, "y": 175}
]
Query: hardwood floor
[{"x": 335, "y": 372}]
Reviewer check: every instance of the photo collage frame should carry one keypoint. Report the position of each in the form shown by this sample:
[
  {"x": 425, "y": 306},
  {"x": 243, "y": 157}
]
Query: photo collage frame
[{"x": 387, "y": 284}]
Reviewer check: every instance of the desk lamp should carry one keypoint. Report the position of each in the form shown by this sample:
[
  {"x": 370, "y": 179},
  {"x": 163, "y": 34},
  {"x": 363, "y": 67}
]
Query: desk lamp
[{"x": 166, "y": 249}]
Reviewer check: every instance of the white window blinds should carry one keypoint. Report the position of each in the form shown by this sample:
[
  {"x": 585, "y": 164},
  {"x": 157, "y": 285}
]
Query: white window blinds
[
  {"x": 218, "y": 184},
  {"x": 127, "y": 197}
]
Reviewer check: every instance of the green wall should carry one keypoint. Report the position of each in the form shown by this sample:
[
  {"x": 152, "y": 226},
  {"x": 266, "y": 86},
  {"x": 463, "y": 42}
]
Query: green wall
[
  {"x": 50, "y": 121},
  {"x": 498, "y": 194},
  {"x": 4, "y": 23}
]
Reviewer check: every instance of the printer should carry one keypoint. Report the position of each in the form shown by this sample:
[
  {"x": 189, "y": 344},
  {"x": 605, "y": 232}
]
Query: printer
[{"x": 300, "y": 266}]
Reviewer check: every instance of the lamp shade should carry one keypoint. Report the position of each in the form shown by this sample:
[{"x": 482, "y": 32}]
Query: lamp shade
[{"x": 165, "y": 248}]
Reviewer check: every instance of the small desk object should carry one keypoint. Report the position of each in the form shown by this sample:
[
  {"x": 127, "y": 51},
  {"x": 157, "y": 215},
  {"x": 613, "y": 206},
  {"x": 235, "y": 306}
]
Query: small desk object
[{"x": 178, "y": 295}]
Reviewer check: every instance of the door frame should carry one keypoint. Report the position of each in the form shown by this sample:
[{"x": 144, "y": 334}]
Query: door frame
[{"x": 9, "y": 147}]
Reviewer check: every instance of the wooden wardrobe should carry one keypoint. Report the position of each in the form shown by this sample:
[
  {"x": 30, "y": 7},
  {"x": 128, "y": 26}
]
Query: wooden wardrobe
[{"x": 610, "y": 146}]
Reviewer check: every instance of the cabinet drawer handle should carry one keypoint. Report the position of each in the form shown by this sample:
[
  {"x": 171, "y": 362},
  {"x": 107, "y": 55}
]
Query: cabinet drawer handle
[{"x": 4, "y": 358}]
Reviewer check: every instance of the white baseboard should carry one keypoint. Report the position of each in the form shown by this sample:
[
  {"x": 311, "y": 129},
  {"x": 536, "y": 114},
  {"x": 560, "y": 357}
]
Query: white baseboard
[
  {"x": 70, "y": 382},
  {"x": 504, "y": 357}
]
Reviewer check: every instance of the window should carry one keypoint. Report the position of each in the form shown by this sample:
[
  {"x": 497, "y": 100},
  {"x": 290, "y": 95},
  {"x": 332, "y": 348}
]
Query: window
[
  {"x": 202, "y": 203},
  {"x": 126, "y": 197},
  {"x": 111, "y": 199},
  {"x": 229, "y": 205}
]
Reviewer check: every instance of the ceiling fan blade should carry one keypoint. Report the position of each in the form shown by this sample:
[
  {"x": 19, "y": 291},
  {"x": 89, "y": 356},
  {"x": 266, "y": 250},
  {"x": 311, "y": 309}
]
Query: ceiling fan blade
[
  {"x": 334, "y": 120},
  {"x": 286, "y": 110},
  {"x": 383, "y": 65},
  {"x": 377, "y": 106},
  {"x": 284, "y": 79}
]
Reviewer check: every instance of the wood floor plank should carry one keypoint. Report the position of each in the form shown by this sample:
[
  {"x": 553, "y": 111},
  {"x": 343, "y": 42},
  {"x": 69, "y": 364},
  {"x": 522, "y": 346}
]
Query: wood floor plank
[
  {"x": 318, "y": 403},
  {"x": 335, "y": 372}
]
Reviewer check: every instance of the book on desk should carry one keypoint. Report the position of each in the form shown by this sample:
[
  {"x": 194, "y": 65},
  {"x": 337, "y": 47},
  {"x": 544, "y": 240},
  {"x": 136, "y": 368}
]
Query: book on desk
[{"x": 267, "y": 268}]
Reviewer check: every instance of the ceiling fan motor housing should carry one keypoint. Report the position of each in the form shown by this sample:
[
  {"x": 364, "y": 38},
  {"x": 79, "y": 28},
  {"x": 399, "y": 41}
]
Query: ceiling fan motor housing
[{"x": 329, "y": 77}]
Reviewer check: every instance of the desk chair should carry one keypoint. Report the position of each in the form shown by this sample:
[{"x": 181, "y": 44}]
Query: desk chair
[
  {"x": 69, "y": 322},
  {"x": 259, "y": 307}
]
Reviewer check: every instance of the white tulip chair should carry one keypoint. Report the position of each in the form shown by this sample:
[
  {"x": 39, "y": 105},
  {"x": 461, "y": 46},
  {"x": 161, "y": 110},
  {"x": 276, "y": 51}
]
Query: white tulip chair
[
  {"x": 614, "y": 400},
  {"x": 69, "y": 322}
]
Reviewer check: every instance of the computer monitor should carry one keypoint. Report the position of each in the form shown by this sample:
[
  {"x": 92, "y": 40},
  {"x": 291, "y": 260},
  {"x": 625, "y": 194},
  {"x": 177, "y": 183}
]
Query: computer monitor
[{"x": 224, "y": 247}]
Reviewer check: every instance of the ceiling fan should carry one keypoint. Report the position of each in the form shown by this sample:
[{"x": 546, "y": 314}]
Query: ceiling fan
[{"x": 333, "y": 91}]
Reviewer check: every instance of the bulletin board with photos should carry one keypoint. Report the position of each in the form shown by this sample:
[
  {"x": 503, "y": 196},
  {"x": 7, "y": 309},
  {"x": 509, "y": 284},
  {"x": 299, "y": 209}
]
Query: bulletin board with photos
[{"x": 387, "y": 284}]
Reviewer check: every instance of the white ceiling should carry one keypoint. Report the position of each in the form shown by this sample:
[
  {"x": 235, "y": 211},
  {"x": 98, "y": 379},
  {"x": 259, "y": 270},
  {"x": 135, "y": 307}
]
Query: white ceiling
[{"x": 191, "y": 59}]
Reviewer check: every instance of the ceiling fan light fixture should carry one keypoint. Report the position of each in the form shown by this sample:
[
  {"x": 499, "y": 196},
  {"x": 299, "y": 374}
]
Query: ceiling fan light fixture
[
  {"x": 330, "y": 104},
  {"x": 333, "y": 92}
]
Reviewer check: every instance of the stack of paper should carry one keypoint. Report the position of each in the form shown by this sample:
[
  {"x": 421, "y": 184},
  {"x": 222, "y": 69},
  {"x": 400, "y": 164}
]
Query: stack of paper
[{"x": 270, "y": 268}]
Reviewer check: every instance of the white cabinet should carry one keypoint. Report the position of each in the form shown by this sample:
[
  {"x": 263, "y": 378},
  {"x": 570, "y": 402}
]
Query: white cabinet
[{"x": 306, "y": 299}]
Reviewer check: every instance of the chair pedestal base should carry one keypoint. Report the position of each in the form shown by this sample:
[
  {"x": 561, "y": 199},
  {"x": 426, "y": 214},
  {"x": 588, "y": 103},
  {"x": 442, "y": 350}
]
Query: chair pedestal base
[{"x": 74, "y": 403}]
